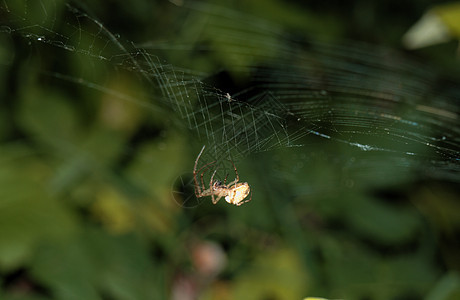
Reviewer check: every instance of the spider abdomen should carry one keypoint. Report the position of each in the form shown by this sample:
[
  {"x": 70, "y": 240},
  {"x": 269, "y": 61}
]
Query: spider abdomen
[{"x": 237, "y": 193}]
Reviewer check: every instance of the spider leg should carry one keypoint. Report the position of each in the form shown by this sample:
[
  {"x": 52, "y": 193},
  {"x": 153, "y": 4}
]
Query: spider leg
[
  {"x": 206, "y": 166},
  {"x": 202, "y": 182},
  {"x": 216, "y": 200},
  {"x": 200, "y": 189},
  {"x": 202, "y": 173},
  {"x": 210, "y": 188},
  {"x": 198, "y": 158},
  {"x": 234, "y": 182},
  {"x": 236, "y": 172},
  {"x": 197, "y": 187},
  {"x": 250, "y": 198}
]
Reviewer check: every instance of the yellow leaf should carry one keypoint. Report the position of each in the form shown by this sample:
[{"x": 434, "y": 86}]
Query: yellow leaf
[{"x": 438, "y": 25}]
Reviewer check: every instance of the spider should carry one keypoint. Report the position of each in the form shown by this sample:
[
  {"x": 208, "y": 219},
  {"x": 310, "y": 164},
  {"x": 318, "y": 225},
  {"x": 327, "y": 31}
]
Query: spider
[{"x": 234, "y": 192}]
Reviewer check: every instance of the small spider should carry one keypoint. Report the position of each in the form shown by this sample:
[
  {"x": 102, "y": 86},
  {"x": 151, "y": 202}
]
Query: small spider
[
  {"x": 229, "y": 98},
  {"x": 233, "y": 192}
]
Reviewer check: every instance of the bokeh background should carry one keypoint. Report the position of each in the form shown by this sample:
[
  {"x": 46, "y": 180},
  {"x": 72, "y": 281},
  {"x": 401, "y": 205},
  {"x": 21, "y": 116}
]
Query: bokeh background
[{"x": 96, "y": 199}]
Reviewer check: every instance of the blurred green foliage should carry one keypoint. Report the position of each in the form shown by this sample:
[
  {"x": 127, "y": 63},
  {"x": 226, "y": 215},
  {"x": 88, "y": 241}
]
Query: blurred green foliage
[{"x": 87, "y": 172}]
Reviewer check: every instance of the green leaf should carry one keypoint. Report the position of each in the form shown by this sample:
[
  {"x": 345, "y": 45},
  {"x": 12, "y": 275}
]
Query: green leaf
[
  {"x": 29, "y": 214},
  {"x": 96, "y": 264},
  {"x": 48, "y": 117},
  {"x": 380, "y": 221},
  {"x": 447, "y": 288},
  {"x": 277, "y": 273}
]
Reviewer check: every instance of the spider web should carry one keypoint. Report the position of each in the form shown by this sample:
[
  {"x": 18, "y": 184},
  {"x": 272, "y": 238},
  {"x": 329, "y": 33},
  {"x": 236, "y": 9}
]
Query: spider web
[
  {"x": 366, "y": 97},
  {"x": 276, "y": 91}
]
